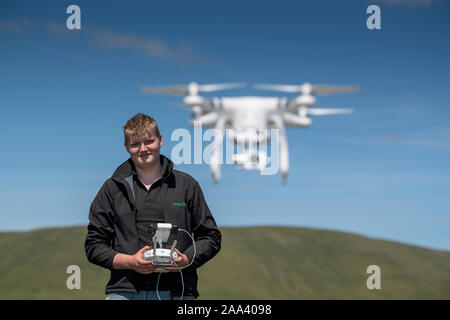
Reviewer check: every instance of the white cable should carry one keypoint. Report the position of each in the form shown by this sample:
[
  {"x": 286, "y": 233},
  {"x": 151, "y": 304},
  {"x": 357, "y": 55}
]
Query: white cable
[
  {"x": 195, "y": 250},
  {"x": 179, "y": 269},
  {"x": 182, "y": 281},
  {"x": 157, "y": 284}
]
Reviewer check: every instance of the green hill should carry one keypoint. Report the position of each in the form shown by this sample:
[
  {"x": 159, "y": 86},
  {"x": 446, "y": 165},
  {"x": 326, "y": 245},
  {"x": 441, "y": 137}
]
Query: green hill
[{"x": 254, "y": 263}]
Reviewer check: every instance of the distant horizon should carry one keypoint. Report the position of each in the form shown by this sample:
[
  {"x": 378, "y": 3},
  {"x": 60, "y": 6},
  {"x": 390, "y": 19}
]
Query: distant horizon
[{"x": 254, "y": 226}]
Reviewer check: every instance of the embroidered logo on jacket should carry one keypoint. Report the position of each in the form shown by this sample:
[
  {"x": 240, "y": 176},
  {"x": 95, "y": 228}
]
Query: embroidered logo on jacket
[{"x": 179, "y": 204}]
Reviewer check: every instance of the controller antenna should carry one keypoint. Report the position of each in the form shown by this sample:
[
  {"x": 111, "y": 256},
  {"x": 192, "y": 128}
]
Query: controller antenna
[
  {"x": 154, "y": 245},
  {"x": 173, "y": 247}
]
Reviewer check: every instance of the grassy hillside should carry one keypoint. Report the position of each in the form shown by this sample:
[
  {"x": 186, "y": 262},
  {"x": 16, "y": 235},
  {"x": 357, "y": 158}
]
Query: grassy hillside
[{"x": 254, "y": 263}]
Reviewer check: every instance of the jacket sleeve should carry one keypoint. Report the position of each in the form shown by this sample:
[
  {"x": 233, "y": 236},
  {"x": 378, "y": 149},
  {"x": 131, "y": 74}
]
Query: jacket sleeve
[
  {"x": 206, "y": 233},
  {"x": 100, "y": 230}
]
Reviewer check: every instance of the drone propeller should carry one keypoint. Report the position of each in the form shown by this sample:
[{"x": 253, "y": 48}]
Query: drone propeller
[
  {"x": 192, "y": 88},
  {"x": 324, "y": 111},
  {"x": 180, "y": 105},
  {"x": 307, "y": 88}
]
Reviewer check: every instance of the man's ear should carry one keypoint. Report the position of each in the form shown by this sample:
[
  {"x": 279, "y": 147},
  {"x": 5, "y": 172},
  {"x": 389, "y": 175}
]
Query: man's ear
[
  {"x": 160, "y": 140},
  {"x": 126, "y": 147}
]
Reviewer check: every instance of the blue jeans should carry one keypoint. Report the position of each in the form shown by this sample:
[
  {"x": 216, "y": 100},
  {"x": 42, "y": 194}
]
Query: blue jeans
[{"x": 145, "y": 295}]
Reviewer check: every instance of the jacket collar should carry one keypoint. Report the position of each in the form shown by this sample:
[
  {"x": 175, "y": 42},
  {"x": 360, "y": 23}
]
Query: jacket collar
[
  {"x": 128, "y": 168},
  {"x": 125, "y": 172}
]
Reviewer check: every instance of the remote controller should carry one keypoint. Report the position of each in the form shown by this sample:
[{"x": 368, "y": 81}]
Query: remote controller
[{"x": 160, "y": 256}]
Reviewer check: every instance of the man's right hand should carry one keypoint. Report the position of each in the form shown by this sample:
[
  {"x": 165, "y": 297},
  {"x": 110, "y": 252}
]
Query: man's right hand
[
  {"x": 134, "y": 262},
  {"x": 140, "y": 265}
]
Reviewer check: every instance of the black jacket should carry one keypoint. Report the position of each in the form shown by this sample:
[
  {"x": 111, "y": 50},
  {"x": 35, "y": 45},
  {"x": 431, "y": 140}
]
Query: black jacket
[{"x": 112, "y": 228}]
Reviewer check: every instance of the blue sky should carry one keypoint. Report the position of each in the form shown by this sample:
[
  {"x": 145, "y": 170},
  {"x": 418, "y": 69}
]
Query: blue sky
[{"x": 382, "y": 172}]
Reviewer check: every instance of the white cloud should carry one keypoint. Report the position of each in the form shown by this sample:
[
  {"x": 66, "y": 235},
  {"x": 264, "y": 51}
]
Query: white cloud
[
  {"x": 147, "y": 46},
  {"x": 405, "y": 3},
  {"x": 14, "y": 26},
  {"x": 150, "y": 47},
  {"x": 410, "y": 3}
]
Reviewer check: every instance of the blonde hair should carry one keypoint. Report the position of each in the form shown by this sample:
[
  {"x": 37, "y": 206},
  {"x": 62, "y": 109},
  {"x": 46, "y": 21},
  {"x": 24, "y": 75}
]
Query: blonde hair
[{"x": 140, "y": 125}]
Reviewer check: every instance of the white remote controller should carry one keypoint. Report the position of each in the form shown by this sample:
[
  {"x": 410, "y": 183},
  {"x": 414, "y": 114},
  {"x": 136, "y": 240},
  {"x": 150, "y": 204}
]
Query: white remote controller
[{"x": 160, "y": 256}]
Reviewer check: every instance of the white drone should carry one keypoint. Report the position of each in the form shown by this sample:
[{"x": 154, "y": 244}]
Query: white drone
[{"x": 243, "y": 118}]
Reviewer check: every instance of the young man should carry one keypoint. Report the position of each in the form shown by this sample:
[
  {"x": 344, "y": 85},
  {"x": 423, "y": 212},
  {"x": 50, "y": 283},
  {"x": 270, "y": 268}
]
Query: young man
[{"x": 145, "y": 190}]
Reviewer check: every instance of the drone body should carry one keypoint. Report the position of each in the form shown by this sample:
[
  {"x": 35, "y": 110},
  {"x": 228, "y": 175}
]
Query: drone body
[{"x": 247, "y": 119}]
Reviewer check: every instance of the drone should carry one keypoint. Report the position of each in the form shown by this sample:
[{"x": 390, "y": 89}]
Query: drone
[{"x": 247, "y": 118}]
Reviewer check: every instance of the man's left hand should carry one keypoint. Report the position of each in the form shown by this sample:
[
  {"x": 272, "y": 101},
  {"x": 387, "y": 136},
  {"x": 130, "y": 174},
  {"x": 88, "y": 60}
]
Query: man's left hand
[{"x": 181, "y": 261}]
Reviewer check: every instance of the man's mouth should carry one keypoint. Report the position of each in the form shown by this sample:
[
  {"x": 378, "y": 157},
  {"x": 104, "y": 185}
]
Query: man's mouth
[{"x": 144, "y": 155}]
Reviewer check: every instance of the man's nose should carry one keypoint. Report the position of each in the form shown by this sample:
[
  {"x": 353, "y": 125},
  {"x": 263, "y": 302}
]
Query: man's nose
[{"x": 142, "y": 146}]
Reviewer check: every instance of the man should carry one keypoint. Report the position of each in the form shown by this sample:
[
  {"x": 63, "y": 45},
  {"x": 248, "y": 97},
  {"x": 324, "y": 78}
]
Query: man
[{"x": 145, "y": 190}]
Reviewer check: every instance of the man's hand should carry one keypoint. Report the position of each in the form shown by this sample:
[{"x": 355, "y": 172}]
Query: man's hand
[
  {"x": 181, "y": 261},
  {"x": 138, "y": 264},
  {"x": 134, "y": 262}
]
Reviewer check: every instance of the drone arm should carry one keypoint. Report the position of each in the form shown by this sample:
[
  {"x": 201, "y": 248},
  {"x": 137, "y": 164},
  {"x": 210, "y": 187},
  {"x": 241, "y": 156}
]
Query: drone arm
[
  {"x": 284, "y": 153},
  {"x": 293, "y": 120},
  {"x": 208, "y": 119},
  {"x": 217, "y": 150}
]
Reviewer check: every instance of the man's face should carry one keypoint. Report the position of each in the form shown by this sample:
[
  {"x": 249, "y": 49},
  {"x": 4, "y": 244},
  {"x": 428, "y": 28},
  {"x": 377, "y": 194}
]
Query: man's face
[{"x": 144, "y": 151}]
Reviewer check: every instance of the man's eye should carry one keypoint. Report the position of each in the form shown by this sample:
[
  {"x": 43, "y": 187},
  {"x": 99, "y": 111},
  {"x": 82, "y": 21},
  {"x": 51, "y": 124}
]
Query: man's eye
[
  {"x": 149, "y": 142},
  {"x": 135, "y": 145}
]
